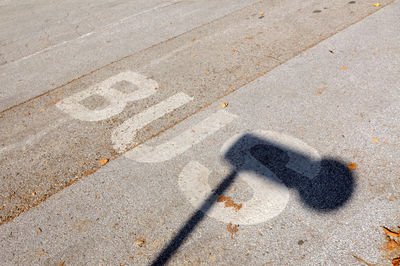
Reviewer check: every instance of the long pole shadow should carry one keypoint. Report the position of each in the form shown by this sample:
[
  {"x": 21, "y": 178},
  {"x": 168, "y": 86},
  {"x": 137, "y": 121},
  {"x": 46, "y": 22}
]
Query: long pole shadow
[
  {"x": 330, "y": 189},
  {"x": 193, "y": 221}
]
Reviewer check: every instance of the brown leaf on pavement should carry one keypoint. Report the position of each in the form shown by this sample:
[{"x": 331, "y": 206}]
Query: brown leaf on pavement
[
  {"x": 391, "y": 245},
  {"x": 321, "y": 91},
  {"x": 229, "y": 202},
  {"x": 104, "y": 161},
  {"x": 352, "y": 166},
  {"x": 233, "y": 229},
  {"x": 140, "y": 242},
  {"x": 391, "y": 233}
]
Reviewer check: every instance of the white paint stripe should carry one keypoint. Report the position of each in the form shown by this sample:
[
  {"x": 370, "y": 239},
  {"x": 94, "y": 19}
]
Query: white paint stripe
[
  {"x": 269, "y": 199},
  {"x": 270, "y": 196},
  {"x": 123, "y": 136},
  {"x": 103, "y": 29},
  {"x": 183, "y": 142},
  {"x": 31, "y": 140},
  {"x": 158, "y": 60}
]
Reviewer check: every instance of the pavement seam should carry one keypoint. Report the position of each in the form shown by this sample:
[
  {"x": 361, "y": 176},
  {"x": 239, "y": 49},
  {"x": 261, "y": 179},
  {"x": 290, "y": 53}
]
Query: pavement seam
[
  {"x": 127, "y": 56},
  {"x": 120, "y": 21}
]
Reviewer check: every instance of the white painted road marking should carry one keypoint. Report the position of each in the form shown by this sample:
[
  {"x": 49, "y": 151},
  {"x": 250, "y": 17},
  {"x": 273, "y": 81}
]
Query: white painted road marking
[
  {"x": 123, "y": 136},
  {"x": 33, "y": 139},
  {"x": 270, "y": 195},
  {"x": 117, "y": 100},
  {"x": 182, "y": 142},
  {"x": 105, "y": 28}
]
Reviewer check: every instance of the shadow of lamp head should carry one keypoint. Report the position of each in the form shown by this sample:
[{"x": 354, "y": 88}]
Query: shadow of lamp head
[{"x": 323, "y": 184}]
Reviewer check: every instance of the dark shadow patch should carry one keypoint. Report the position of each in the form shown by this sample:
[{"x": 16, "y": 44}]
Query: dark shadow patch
[{"x": 326, "y": 190}]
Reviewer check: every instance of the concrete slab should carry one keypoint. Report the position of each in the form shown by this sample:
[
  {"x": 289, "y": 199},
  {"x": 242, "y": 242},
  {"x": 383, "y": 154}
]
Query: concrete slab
[
  {"x": 299, "y": 126},
  {"x": 47, "y": 44},
  {"x": 44, "y": 147}
]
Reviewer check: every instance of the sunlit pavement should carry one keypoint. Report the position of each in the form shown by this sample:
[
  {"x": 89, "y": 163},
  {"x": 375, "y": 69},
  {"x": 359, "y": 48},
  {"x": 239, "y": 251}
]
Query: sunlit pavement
[{"x": 225, "y": 145}]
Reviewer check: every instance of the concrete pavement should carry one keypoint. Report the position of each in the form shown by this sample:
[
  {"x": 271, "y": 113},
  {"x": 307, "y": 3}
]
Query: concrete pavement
[
  {"x": 278, "y": 153},
  {"x": 205, "y": 64},
  {"x": 47, "y": 44}
]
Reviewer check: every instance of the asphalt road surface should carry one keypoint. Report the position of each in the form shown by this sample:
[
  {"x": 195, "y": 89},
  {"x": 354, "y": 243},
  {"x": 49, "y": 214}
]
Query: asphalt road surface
[{"x": 199, "y": 132}]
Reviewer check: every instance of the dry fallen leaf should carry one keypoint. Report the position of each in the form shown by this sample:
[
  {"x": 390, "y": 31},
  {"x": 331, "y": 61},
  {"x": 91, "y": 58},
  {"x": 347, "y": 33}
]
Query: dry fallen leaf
[
  {"x": 104, "y": 161},
  {"x": 391, "y": 233},
  {"x": 352, "y": 166},
  {"x": 375, "y": 140},
  {"x": 320, "y": 91},
  {"x": 61, "y": 263},
  {"x": 232, "y": 229},
  {"x": 391, "y": 245},
  {"x": 224, "y": 105},
  {"x": 140, "y": 241},
  {"x": 377, "y": 4},
  {"x": 234, "y": 50},
  {"x": 344, "y": 67},
  {"x": 229, "y": 202},
  {"x": 41, "y": 253},
  {"x": 396, "y": 261}
]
